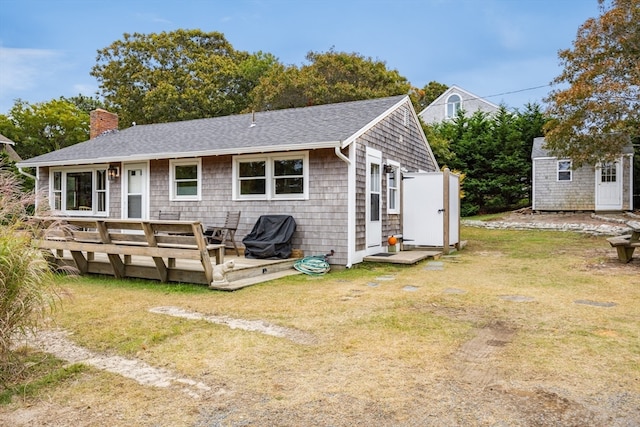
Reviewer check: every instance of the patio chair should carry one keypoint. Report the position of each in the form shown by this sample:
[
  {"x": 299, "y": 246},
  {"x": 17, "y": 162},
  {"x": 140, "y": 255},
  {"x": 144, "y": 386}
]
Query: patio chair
[{"x": 226, "y": 233}]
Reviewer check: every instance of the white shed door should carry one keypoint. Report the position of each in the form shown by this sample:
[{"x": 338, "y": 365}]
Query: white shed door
[{"x": 609, "y": 186}]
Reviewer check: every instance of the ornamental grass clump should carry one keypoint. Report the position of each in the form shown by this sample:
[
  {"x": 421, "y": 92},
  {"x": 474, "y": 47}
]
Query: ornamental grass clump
[{"x": 27, "y": 291}]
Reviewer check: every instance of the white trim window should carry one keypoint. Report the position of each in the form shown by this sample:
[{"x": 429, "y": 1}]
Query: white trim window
[
  {"x": 79, "y": 191},
  {"x": 564, "y": 170},
  {"x": 393, "y": 187},
  {"x": 185, "y": 179},
  {"x": 276, "y": 176},
  {"x": 453, "y": 105}
]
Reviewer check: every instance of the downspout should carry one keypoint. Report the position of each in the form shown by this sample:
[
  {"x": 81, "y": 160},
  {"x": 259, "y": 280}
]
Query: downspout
[
  {"x": 342, "y": 156},
  {"x": 22, "y": 172},
  {"x": 350, "y": 207}
]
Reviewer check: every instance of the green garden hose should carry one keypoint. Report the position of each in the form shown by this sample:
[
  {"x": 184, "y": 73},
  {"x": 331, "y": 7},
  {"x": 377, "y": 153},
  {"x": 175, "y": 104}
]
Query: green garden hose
[{"x": 316, "y": 265}]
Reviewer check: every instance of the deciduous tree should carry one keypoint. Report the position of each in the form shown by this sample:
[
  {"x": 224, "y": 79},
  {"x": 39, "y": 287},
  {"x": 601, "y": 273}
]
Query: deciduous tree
[
  {"x": 599, "y": 112},
  {"x": 43, "y": 127},
  {"x": 179, "y": 75},
  {"x": 329, "y": 77}
]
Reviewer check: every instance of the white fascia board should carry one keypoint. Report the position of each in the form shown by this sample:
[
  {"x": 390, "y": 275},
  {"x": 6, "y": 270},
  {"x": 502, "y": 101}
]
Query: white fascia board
[
  {"x": 373, "y": 122},
  {"x": 188, "y": 154}
]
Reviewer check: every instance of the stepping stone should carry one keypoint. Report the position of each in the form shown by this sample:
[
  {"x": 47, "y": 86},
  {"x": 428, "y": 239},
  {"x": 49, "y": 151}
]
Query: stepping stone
[
  {"x": 385, "y": 278},
  {"x": 517, "y": 298},
  {"x": 595, "y": 303},
  {"x": 410, "y": 288},
  {"x": 434, "y": 265},
  {"x": 373, "y": 284},
  {"x": 454, "y": 291}
]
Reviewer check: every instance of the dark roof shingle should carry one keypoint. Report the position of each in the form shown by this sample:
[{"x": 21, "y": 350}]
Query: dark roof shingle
[{"x": 272, "y": 130}]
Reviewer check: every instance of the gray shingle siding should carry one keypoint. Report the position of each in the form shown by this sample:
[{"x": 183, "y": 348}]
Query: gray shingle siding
[
  {"x": 322, "y": 220},
  {"x": 554, "y": 195},
  {"x": 577, "y": 194},
  {"x": 401, "y": 143}
]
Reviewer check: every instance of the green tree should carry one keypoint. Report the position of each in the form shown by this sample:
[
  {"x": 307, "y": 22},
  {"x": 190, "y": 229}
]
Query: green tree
[
  {"x": 43, "y": 127},
  {"x": 494, "y": 154},
  {"x": 179, "y": 75},
  {"x": 421, "y": 98},
  {"x": 329, "y": 77},
  {"x": 599, "y": 112},
  {"x": 85, "y": 103}
]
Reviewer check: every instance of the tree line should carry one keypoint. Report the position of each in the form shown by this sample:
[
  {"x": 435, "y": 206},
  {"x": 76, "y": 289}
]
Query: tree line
[{"x": 189, "y": 74}]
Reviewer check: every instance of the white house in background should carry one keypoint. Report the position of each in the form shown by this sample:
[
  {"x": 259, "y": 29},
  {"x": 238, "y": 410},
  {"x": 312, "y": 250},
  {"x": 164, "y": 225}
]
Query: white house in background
[{"x": 446, "y": 106}]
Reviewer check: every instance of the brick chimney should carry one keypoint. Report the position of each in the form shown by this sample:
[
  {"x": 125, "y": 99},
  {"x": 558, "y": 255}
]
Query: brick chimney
[{"x": 101, "y": 121}]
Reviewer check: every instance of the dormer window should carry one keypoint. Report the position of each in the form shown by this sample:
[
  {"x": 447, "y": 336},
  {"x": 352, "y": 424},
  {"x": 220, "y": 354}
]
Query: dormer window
[{"x": 453, "y": 105}]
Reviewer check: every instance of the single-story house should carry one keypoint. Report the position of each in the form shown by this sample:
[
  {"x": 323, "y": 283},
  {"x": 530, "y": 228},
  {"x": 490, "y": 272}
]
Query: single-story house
[
  {"x": 558, "y": 186},
  {"x": 6, "y": 145},
  {"x": 335, "y": 168},
  {"x": 447, "y": 105}
]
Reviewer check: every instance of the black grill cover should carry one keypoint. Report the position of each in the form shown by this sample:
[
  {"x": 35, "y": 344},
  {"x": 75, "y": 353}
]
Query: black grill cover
[{"x": 270, "y": 237}]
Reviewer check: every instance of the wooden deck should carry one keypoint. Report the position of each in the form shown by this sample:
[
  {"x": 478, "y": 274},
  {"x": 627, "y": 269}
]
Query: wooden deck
[{"x": 246, "y": 272}]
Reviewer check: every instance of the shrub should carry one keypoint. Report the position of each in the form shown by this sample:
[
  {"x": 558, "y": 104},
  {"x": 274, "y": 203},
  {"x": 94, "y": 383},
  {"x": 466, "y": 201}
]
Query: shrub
[{"x": 27, "y": 291}]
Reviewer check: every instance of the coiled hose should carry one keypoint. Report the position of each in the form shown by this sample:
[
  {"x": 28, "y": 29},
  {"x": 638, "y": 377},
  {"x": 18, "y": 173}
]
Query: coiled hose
[{"x": 315, "y": 265}]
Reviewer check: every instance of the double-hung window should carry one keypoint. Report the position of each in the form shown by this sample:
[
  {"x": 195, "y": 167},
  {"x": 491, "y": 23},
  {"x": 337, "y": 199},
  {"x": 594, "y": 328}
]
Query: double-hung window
[
  {"x": 276, "y": 176},
  {"x": 79, "y": 191},
  {"x": 564, "y": 170},
  {"x": 393, "y": 187},
  {"x": 185, "y": 179}
]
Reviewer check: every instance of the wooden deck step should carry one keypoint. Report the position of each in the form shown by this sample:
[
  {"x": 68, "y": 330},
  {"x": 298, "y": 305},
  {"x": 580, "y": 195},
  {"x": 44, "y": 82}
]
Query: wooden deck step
[
  {"x": 404, "y": 257},
  {"x": 254, "y": 280}
]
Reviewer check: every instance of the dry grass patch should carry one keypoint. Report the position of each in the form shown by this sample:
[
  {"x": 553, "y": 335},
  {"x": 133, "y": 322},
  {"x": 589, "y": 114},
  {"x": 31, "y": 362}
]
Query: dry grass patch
[{"x": 381, "y": 354}]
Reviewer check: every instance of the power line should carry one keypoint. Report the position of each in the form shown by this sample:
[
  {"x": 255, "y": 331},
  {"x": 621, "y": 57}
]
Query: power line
[
  {"x": 516, "y": 91},
  {"x": 498, "y": 94}
]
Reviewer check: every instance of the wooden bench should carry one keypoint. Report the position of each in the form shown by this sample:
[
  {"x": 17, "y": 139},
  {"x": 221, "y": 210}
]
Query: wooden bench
[
  {"x": 626, "y": 245},
  {"x": 120, "y": 240}
]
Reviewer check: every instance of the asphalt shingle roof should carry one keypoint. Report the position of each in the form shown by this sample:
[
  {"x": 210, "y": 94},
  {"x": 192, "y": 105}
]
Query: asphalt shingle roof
[{"x": 285, "y": 129}]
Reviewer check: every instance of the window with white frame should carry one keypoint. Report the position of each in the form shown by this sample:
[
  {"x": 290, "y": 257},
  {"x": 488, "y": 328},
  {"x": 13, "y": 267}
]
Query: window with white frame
[
  {"x": 276, "y": 176},
  {"x": 453, "y": 105},
  {"x": 185, "y": 179},
  {"x": 393, "y": 187},
  {"x": 79, "y": 191},
  {"x": 564, "y": 170}
]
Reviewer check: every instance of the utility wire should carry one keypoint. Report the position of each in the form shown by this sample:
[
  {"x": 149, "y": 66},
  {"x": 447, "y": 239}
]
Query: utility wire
[{"x": 498, "y": 94}]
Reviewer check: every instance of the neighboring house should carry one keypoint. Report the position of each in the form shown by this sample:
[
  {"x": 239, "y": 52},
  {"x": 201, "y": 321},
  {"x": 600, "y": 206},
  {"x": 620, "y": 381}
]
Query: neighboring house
[
  {"x": 557, "y": 186},
  {"x": 6, "y": 146},
  {"x": 447, "y": 105},
  {"x": 335, "y": 168}
]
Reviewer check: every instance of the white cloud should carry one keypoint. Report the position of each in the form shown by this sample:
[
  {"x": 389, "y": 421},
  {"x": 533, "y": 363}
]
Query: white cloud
[{"x": 22, "y": 69}]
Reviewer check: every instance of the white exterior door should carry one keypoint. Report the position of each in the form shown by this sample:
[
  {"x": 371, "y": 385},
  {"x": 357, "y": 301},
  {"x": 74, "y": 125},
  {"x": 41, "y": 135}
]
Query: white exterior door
[
  {"x": 135, "y": 191},
  {"x": 374, "y": 201},
  {"x": 609, "y": 186}
]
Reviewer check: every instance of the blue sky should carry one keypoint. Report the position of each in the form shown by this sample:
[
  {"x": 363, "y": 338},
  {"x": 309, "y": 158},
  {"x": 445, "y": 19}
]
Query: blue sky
[{"x": 493, "y": 48}]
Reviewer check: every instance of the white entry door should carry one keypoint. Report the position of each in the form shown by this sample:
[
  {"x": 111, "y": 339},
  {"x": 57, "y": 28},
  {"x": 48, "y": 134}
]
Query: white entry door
[
  {"x": 374, "y": 201},
  {"x": 609, "y": 186},
  {"x": 135, "y": 191}
]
